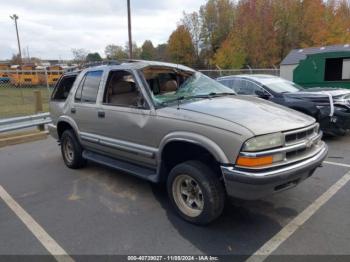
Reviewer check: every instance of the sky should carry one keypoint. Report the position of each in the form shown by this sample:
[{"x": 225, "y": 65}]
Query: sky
[{"x": 51, "y": 29}]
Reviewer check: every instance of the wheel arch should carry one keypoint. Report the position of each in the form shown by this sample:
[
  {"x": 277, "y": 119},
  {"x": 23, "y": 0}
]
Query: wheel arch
[
  {"x": 188, "y": 143},
  {"x": 64, "y": 123}
]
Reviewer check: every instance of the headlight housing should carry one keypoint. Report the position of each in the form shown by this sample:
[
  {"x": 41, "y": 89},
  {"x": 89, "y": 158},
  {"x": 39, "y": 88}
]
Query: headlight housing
[{"x": 263, "y": 142}]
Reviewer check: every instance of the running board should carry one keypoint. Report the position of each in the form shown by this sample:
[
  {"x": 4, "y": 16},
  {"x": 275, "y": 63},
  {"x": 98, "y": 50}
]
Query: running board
[{"x": 139, "y": 171}]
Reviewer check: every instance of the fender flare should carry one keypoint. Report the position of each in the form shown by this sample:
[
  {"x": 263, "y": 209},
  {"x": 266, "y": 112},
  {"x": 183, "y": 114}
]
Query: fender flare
[
  {"x": 71, "y": 122},
  {"x": 196, "y": 139}
]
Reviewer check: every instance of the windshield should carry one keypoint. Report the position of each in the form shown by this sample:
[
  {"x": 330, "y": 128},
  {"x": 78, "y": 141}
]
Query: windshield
[
  {"x": 281, "y": 86},
  {"x": 169, "y": 87}
]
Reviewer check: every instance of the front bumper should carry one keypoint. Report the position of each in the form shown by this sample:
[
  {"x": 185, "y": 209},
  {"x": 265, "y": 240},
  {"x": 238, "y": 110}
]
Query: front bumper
[
  {"x": 257, "y": 184},
  {"x": 336, "y": 124}
]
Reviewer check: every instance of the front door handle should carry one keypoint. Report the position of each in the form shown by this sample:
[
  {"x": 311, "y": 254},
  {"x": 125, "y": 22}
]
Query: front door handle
[
  {"x": 73, "y": 110},
  {"x": 101, "y": 114}
]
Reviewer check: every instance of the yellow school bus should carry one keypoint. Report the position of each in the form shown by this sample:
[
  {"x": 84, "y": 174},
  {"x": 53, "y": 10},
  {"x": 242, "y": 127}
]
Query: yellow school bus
[
  {"x": 4, "y": 73},
  {"x": 53, "y": 74},
  {"x": 25, "y": 75}
]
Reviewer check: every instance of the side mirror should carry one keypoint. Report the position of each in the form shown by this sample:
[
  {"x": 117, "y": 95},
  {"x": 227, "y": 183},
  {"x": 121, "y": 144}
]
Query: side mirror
[{"x": 262, "y": 94}]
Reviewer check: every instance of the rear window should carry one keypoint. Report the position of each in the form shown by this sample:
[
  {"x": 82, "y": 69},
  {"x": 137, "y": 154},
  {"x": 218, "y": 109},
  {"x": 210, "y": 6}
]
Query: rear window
[
  {"x": 63, "y": 87},
  {"x": 88, "y": 89}
]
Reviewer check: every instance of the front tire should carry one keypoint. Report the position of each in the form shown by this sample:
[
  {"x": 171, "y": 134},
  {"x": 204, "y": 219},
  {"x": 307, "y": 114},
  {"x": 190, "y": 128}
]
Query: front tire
[
  {"x": 71, "y": 150},
  {"x": 196, "y": 192}
]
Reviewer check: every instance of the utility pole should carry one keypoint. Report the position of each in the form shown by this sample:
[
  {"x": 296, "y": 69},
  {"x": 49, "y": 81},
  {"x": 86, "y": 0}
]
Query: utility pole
[
  {"x": 15, "y": 17},
  {"x": 129, "y": 30},
  {"x": 28, "y": 55}
]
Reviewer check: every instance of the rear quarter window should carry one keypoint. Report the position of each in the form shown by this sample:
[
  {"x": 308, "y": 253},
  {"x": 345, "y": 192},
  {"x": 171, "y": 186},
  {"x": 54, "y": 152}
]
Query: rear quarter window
[{"x": 63, "y": 87}]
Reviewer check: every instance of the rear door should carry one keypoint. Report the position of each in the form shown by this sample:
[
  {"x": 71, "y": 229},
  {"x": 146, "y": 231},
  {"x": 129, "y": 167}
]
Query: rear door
[{"x": 84, "y": 109}]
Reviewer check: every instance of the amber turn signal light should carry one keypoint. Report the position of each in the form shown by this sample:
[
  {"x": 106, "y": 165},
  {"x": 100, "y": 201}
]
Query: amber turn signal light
[{"x": 254, "y": 162}]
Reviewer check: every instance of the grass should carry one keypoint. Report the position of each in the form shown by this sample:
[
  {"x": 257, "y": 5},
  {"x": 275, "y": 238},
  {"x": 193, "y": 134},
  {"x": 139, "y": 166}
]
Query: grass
[{"x": 17, "y": 101}]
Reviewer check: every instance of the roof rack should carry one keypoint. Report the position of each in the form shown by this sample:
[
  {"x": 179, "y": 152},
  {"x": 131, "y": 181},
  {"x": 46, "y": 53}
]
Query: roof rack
[
  {"x": 98, "y": 63},
  {"x": 108, "y": 62}
]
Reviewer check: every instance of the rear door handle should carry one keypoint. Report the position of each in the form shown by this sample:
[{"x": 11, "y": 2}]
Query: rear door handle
[
  {"x": 73, "y": 110},
  {"x": 101, "y": 114}
]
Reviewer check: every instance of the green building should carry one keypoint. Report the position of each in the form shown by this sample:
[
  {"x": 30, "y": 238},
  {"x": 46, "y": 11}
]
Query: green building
[{"x": 327, "y": 66}]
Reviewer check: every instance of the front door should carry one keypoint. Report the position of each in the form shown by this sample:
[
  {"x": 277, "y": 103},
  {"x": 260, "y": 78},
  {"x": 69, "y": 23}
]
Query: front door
[{"x": 124, "y": 121}]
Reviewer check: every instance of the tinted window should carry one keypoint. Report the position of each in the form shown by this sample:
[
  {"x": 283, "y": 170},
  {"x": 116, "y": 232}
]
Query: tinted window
[
  {"x": 247, "y": 88},
  {"x": 87, "y": 91},
  {"x": 234, "y": 83},
  {"x": 63, "y": 87}
]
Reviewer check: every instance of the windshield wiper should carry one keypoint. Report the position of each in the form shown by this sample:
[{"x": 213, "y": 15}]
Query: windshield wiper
[
  {"x": 222, "y": 94},
  {"x": 206, "y": 96},
  {"x": 180, "y": 98}
]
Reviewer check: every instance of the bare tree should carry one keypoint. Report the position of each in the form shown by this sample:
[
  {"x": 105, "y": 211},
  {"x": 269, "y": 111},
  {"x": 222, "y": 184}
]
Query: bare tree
[
  {"x": 79, "y": 55},
  {"x": 193, "y": 24}
]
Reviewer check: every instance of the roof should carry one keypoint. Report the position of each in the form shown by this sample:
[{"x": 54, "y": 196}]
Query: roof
[
  {"x": 296, "y": 55},
  {"x": 256, "y": 77},
  {"x": 135, "y": 64}
]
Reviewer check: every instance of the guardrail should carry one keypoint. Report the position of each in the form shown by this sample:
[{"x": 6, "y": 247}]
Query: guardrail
[{"x": 15, "y": 123}]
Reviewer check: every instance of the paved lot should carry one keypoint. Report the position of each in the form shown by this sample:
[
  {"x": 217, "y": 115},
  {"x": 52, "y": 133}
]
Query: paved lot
[{"x": 100, "y": 211}]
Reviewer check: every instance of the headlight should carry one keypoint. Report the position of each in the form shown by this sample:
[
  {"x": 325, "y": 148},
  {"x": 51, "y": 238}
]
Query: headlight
[{"x": 264, "y": 142}]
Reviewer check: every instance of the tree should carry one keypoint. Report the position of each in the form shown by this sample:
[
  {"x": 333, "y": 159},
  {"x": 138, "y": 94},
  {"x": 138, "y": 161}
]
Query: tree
[
  {"x": 148, "y": 52},
  {"x": 193, "y": 24},
  {"x": 93, "y": 57},
  {"x": 287, "y": 17},
  {"x": 217, "y": 19},
  {"x": 313, "y": 23},
  {"x": 136, "y": 51},
  {"x": 15, "y": 60},
  {"x": 79, "y": 55},
  {"x": 230, "y": 33},
  {"x": 231, "y": 54},
  {"x": 161, "y": 52},
  {"x": 180, "y": 47},
  {"x": 255, "y": 28},
  {"x": 115, "y": 52},
  {"x": 338, "y": 17}
]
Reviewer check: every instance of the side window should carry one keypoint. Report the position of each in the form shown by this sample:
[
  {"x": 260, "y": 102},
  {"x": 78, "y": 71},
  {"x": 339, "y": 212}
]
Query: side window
[
  {"x": 88, "y": 88},
  {"x": 121, "y": 90},
  {"x": 254, "y": 88},
  {"x": 238, "y": 85},
  {"x": 231, "y": 83},
  {"x": 248, "y": 87},
  {"x": 63, "y": 87},
  {"x": 234, "y": 84}
]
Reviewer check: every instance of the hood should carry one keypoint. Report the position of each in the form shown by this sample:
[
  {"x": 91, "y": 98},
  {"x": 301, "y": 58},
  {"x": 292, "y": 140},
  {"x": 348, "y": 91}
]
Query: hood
[
  {"x": 335, "y": 92},
  {"x": 257, "y": 115}
]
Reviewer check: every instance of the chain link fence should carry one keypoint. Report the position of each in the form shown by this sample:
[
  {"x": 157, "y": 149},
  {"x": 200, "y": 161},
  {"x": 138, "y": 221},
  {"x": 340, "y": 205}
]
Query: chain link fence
[
  {"x": 227, "y": 72},
  {"x": 18, "y": 90}
]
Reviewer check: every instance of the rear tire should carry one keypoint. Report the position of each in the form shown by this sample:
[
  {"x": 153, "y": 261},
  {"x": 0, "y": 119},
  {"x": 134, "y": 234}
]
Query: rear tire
[
  {"x": 71, "y": 150},
  {"x": 196, "y": 192}
]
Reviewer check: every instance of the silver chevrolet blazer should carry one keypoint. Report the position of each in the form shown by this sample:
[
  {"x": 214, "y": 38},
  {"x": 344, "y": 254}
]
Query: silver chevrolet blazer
[{"x": 169, "y": 124}]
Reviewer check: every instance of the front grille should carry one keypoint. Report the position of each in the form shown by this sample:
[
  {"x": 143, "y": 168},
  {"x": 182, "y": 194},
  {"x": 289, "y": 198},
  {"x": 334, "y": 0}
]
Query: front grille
[
  {"x": 309, "y": 136},
  {"x": 297, "y": 136},
  {"x": 299, "y": 145}
]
